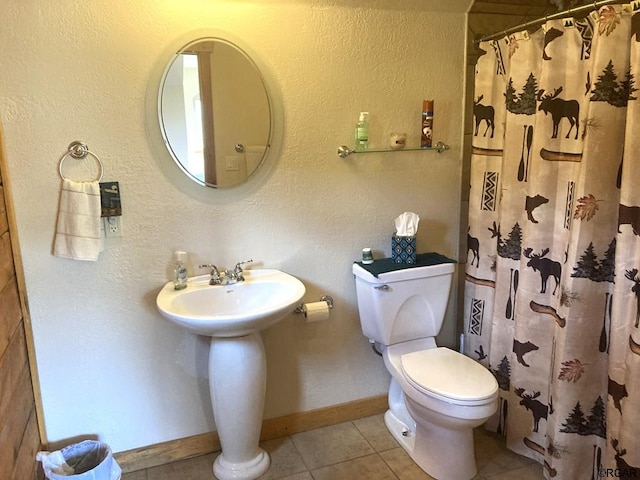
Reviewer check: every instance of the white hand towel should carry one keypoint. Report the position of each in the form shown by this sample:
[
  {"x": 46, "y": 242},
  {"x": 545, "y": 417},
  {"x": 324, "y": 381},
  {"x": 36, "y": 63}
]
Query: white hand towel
[{"x": 78, "y": 231}]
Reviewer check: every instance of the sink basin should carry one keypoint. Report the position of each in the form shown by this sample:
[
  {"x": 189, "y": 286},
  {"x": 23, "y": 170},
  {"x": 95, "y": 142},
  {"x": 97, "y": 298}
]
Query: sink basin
[{"x": 264, "y": 298}]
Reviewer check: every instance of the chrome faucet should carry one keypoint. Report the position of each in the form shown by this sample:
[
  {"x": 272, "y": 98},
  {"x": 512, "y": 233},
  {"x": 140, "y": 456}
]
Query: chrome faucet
[
  {"x": 226, "y": 277},
  {"x": 237, "y": 274},
  {"x": 216, "y": 277}
]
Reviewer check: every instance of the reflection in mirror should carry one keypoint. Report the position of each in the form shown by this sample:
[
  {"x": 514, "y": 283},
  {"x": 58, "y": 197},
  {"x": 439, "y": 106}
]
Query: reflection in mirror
[{"x": 215, "y": 112}]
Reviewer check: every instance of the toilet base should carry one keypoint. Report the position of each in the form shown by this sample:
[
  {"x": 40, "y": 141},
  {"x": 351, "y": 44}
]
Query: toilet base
[
  {"x": 443, "y": 453},
  {"x": 405, "y": 436}
]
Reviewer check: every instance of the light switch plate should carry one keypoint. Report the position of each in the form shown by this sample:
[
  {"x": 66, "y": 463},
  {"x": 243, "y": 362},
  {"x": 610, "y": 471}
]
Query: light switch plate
[{"x": 231, "y": 163}]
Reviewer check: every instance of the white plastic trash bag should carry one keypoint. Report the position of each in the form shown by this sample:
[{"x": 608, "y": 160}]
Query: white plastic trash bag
[{"x": 88, "y": 460}]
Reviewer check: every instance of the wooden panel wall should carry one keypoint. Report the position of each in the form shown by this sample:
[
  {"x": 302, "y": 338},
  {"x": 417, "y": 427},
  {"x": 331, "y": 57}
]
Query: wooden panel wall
[{"x": 19, "y": 431}]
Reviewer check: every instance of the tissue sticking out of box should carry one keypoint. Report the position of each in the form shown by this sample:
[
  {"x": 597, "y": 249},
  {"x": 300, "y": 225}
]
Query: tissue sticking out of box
[{"x": 407, "y": 224}]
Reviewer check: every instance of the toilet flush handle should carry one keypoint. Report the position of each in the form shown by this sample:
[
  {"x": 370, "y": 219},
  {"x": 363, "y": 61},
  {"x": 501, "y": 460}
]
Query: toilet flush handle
[{"x": 384, "y": 287}]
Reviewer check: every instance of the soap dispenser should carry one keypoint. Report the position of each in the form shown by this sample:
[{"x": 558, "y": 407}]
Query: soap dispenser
[
  {"x": 180, "y": 271},
  {"x": 362, "y": 132}
]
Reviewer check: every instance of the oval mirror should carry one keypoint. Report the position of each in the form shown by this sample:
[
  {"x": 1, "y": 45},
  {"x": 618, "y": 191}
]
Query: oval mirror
[{"x": 215, "y": 112}]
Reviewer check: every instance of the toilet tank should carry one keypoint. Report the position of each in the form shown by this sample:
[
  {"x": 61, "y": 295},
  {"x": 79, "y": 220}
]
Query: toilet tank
[{"x": 406, "y": 304}]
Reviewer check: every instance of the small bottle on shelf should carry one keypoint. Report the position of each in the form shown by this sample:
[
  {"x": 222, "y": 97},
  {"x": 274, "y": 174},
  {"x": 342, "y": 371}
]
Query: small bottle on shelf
[
  {"x": 362, "y": 132},
  {"x": 426, "y": 135}
]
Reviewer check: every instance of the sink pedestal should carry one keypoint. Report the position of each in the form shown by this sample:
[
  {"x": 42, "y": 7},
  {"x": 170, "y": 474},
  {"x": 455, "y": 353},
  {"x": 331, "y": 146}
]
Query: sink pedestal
[
  {"x": 233, "y": 316},
  {"x": 237, "y": 382}
]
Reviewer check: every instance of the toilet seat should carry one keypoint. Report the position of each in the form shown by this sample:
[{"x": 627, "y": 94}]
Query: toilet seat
[{"x": 449, "y": 376}]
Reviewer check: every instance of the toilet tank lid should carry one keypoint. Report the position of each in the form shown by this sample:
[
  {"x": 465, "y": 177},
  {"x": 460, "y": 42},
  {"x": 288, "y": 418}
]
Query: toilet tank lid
[{"x": 427, "y": 265}]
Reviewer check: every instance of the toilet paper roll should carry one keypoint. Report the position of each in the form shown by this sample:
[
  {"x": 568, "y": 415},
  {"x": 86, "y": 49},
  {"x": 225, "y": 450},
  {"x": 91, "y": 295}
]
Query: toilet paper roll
[{"x": 316, "y": 311}]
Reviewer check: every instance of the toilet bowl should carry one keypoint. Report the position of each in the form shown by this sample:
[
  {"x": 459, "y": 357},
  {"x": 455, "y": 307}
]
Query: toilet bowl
[{"x": 436, "y": 395}]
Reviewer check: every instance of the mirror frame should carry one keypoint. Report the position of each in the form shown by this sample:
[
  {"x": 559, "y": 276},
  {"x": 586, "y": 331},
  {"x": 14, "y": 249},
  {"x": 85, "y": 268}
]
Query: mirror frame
[{"x": 155, "y": 129}]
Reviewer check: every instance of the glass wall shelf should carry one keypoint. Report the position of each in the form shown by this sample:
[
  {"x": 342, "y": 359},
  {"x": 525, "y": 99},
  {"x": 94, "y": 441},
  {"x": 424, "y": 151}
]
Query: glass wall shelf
[{"x": 344, "y": 151}]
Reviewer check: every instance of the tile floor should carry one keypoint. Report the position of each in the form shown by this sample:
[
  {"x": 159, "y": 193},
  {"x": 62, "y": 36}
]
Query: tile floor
[{"x": 358, "y": 450}]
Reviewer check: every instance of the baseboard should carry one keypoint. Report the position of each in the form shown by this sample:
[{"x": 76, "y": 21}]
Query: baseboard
[
  {"x": 322, "y": 417},
  {"x": 188, "y": 447}
]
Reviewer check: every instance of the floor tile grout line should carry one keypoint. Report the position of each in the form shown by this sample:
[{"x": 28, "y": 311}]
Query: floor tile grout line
[
  {"x": 389, "y": 466},
  {"x": 376, "y": 450},
  {"x": 351, "y": 460},
  {"x": 308, "y": 469},
  {"x": 347, "y": 460},
  {"x": 364, "y": 437}
]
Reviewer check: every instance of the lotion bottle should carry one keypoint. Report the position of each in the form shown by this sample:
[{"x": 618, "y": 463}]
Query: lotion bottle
[
  {"x": 180, "y": 271},
  {"x": 362, "y": 132}
]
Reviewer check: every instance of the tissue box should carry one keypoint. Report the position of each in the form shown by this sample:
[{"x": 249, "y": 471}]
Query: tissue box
[{"x": 403, "y": 249}]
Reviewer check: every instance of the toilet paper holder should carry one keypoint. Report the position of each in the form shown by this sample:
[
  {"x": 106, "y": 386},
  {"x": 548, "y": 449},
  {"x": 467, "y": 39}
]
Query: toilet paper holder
[{"x": 325, "y": 298}]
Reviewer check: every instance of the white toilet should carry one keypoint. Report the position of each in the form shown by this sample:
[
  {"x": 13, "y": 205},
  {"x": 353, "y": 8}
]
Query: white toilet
[{"x": 437, "y": 396}]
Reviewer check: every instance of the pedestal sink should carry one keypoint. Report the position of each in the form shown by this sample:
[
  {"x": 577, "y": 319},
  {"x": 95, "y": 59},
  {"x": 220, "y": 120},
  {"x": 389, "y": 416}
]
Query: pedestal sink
[{"x": 233, "y": 315}]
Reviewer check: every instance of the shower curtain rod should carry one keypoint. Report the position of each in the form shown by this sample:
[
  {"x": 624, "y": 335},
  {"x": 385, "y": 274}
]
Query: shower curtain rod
[{"x": 542, "y": 20}]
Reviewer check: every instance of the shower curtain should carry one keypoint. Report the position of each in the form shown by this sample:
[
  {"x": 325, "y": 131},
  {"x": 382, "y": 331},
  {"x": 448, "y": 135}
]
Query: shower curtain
[{"x": 552, "y": 291}]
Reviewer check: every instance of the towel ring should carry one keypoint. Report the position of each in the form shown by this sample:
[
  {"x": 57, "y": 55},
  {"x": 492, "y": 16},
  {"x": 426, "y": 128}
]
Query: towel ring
[{"x": 79, "y": 150}]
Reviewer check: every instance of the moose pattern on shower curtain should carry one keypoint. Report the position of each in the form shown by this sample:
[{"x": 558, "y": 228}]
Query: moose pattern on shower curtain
[{"x": 552, "y": 297}]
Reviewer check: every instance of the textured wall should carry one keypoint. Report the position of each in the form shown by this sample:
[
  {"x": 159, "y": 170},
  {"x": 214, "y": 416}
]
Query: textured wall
[{"x": 109, "y": 364}]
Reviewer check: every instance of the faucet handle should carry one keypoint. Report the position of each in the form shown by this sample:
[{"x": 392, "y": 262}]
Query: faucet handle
[
  {"x": 238, "y": 268},
  {"x": 214, "y": 269}
]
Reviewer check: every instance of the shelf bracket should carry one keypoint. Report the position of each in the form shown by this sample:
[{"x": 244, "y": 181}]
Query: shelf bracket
[
  {"x": 441, "y": 147},
  {"x": 344, "y": 151}
]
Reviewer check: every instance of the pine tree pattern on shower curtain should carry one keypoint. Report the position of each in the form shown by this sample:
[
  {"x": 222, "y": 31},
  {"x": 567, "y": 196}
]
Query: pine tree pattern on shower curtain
[{"x": 552, "y": 297}]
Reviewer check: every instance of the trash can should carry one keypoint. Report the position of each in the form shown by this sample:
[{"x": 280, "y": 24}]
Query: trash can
[{"x": 87, "y": 460}]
